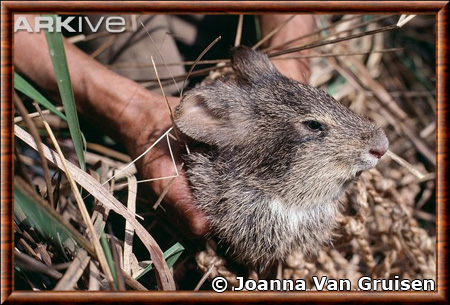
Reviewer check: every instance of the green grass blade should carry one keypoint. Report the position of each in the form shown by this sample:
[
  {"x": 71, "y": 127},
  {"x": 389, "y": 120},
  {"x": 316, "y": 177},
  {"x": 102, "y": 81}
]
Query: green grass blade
[
  {"x": 59, "y": 61},
  {"x": 109, "y": 257},
  {"x": 171, "y": 256},
  {"x": 23, "y": 86},
  {"x": 40, "y": 216}
]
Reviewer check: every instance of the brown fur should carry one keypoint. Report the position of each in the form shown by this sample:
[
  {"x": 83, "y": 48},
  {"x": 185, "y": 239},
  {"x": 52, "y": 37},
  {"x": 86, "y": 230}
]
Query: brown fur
[{"x": 269, "y": 180}]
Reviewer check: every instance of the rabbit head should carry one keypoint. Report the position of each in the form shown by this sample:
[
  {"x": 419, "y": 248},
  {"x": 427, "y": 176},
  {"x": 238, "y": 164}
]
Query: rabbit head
[{"x": 279, "y": 154}]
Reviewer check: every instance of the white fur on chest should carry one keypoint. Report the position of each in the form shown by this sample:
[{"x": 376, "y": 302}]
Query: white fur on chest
[{"x": 319, "y": 216}]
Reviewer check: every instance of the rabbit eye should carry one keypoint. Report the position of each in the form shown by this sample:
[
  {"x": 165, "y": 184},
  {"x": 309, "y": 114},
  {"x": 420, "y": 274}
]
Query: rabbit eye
[{"x": 314, "y": 125}]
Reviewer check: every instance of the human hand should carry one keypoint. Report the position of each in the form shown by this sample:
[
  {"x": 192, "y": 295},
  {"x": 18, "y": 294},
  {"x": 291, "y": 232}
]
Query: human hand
[
  {"x": 301, "y": 25},
  {"x": 148, "y": 119}
]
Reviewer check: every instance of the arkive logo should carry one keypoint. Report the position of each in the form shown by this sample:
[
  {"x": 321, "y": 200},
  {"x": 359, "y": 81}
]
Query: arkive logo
[{"x": 113, "y": 24}]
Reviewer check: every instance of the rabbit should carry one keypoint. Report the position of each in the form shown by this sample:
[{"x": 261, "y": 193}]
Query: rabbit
[{"x": 276, "y": 156}]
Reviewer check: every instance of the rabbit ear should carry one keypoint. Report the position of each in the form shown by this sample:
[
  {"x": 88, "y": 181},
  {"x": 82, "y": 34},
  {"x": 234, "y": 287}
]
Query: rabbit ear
[
  {"x": 198, "y": 120},
  {"x": 250, "y": 65}
]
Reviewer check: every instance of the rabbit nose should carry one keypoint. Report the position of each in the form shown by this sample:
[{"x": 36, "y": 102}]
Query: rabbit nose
[
  {"x": 379, "y": 145},
  {"x": 377, "y": 152}
]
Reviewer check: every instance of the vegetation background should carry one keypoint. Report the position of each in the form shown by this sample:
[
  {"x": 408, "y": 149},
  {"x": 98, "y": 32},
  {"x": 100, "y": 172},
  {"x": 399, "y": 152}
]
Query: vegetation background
[{"x": 388, "y": 227}]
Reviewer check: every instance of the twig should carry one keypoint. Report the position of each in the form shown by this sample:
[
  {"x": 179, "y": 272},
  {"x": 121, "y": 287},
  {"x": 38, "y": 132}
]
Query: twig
[
  {"x": 94, "y": 277},
  {"x": 34, "y": 132},
  {"x": 28, "y": 263},
  {"x": 19, "y": 119},
  {"x": 316, "y": 32},
  {"x": 164, "y": 193},
  {"x": 94, "y": 238},
  {"x": 140, "y": 156},
  {"x": 237, "y": 40},
  {"x": 327, "y": 28},
  {"x": 404, "y": 19},
  {"x": 197, "y": 60},
  {"x": 129, "y": 231},
  {"x": 205, "y": 276},
  {"x": 332, "y": 41},
  {"x": 74, "y": 272},
  {"x": 167, "y": 102},
  {"x": 104, "y": 46},
  {"x": 405, "y": 164},
  {"x": 109, "y": 152}
]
